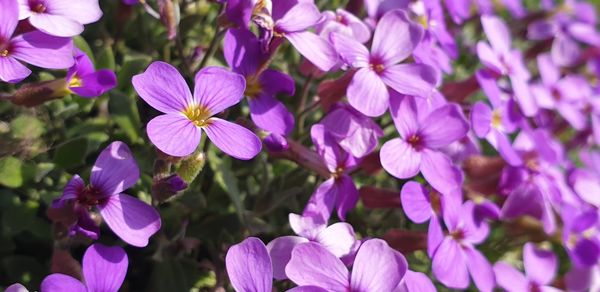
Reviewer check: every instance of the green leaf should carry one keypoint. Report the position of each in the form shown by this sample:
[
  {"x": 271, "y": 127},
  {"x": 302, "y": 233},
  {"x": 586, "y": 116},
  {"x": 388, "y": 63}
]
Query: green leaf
[
  {"x": 11, "y": 172},
  {"x": 26, "y": 127},
  {"x": 106, "y": 59},
  {"x": 23, "y": 269},
  {"x": 83, "y": 45},
  {"x": 227, "y": 181},
  {"x": 71, "y": 153},
  {"x": 174, "y": 275},
  {"x": 131, "y": 65},
  {"x": 123, "y": 110}
]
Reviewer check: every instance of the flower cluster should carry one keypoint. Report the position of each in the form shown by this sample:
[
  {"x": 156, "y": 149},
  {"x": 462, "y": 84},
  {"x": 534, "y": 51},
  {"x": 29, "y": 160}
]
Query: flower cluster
[{"x": 509, "y": 148}]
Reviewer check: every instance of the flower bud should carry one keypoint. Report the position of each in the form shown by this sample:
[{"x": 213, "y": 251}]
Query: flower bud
[
  {"x": 34, "y": 94},
  {"x": 165, "y": 188},
  {"x": 191, "y": 167}
]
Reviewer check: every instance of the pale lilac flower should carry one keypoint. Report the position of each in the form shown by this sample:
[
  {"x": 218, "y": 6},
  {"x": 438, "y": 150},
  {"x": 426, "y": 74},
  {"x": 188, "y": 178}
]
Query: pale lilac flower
[
  {"x": 16, "y": 288},
  {"x": 377, "y": 8},
  {"x": 249, "y": 266},
  {"x": 104, "y": 269},
  {"x": 344, "y": 22},
  {"x": 421, "y": 206},
  {"x": 540, "y": 268},
  {"x": 178, "y": 131},
  {"x": 581, "y": 235},
  {"x": 115, "y": 170},
  {"x": 376, "y": 70},
  {"x": 63, "y": 18},
  {"x": 85, "y": 81},
  {"x": 33, "y": 47},
  {"x": 421, "y": 137},
  {"x": 243, "y": 54},
  {"x": 586, "y": 181},
  {"x": 505, "y": 61},
  {"x": 338, "y": 238},
  {"x": 456, "y": 257},
  {"x": 353, "y": 131},
  {"x": 376, "y": 267},
  {"x": 415, "y": 282},
  {"x": 292, "y": 19}
]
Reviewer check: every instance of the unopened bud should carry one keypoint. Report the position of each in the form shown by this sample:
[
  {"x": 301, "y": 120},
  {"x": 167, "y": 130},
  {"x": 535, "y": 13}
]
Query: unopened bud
[
  {"x": 34, "y": 94},
  {"x": 165, "y": 188},
  {"x": 169, "y": 16},
  {"x": 191, "y": 167}
]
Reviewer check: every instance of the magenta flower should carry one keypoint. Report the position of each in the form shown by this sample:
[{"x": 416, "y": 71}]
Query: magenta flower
[
  {"x": 243, "y": 54},
  {"x": 292, "y": 19},
  {"x": 421, "y": 137},
  {"x": 179, "y": 130},
  {"x": 506, "y": 62},
  {"x": 421, "y": 206},
  {"x": 378, "y": 69},
  {"x": 376, "y": 267},
  {"x": 32, "y": 47},
  {"x": 338, "y": 238},
  {"x": 581, "y": 235},
  {"x": 540, "y": 268},
  {"x": 104, "y": 269},
  {"x": 344, "y": 22},
  {"x": 249, "y": 266},
  {"x": 62, "y": 18},
  {"x": 456, "y": 257},
  {"x": 85, "y": 81},
  {"x": 415, "y": 281},
  {"x": 115, "y": 171}
]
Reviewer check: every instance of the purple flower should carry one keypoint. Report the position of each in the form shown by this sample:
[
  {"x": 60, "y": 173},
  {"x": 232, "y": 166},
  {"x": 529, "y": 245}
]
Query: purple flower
[
  {"x": 581, "y": 235},
  {"x": 338, "y": 238},
  {"x": 344, "y": 22},
  {"x": 339, "y": 190},
  {"x": 63, "y": 18},
  {"x": 16, "y": 288},
  {"x": 561, "y": 94},
  {"x": 115, "y": 171},
  {"x": 377, "y": 267},
  {"x": 456, "y": 257},
  {"x": 292, "y": 19},
  {"x": 415, "y": 281},
  {"x": 104, "y": 269},
  {"x": 85, "y": 81},
  {"x": 243, "y": 54},
  {"x": 505, "y": 61},
  {"x": 377, "y": 8},
  {"x": 368, "y": 92},
  {"x": 495, "y": 124},
  {"x": 540, "y": 268},
  {"x": 249, "y": 266},
  {"x": 421, "y": 205},
  {"x": 421, "y": 137},
  {"x": 32, "y": 47},
  {"x": 178, "y": 131},
  {"x": 353, "y": 131}
]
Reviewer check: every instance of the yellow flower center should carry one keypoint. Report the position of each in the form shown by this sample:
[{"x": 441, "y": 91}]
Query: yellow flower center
[
  {"x": 4, "y": 53},
  {"x": 423, "y": 21},
  {"x": 496, "y": 119},
  {"x": 75, "y": 82},
  {"x": 198, "y": 115},
  {"x": 253, "y": 87}
]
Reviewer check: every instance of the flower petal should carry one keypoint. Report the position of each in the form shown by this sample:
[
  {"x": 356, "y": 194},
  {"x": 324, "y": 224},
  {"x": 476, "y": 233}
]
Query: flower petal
[
  {"x": 35, "y": 47},
  {"x": 440, "y": 172},
  {"x": 163, "y": 88},
  {"x": 115, "y": 169},
  {"x": 489, "y": 58},
  {"x": 233, "y": 139},
  {"x": 131, "y": 219},
  {"x": 509, "y": 278},
  {"x": 174, "y": 134},
  {"x": 16, "y": 288},
  {"x": 415, "y": 282},
  {"x": 352, "y": 52},
  {"x": 435, "y": 235},
  {"x": 61, "y": 283},
  {"x": 313, "y": 264},
  {"x": 367, "y": 93},
  {"x": 443, "y": 126},
  {"x": 12, "y": 71},
  {"x": 56, "y": 25},
  {"x": 280, "y": 251},
  {"x": 400, "y": 159},
  {"x": 480, "y": 269},
  {"x": 96, "y": 84},
  {"x": 301, "y": 17},
  {"x": 496, "y": 32},
  {"x": 540, "y": 265},
  {"x": 403, "y": 109},
  {"x": 314, "y": 48},
  {"x": 449, "y": 265},
  {"x": 415, "y": 202},
  {"x": 271, "y": 115},
  {"x": 104, "y": 267},
  {"x": 338, "y": 238},
  {"x": 218, "y": 89},
  {"x": 241, "y": 50},
  {"x": 274, "y": 82},
  {"x": 407, "y": 35},
  {"x": 376, "y": 268},
  {"x": 322, "y": 201},
  {"x": 347, "y": 196},
  {"x": 411, "y": 79},
  {"x": 82, "y": 11},
  {"x": 249, "y": 266},
  {"x": 10, "y": 18},
  {"x": 481, "y": 119}
]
